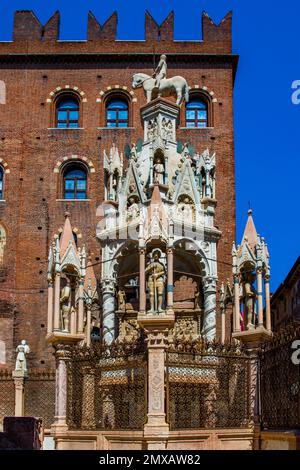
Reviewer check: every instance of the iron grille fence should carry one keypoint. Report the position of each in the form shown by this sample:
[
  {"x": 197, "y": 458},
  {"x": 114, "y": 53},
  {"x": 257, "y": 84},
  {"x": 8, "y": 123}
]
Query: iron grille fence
[
  {"x": 7, "y": 395},
  {"x": 107, "y": 389},
  {"x": 211, "y": 387},
  {"x": 280, "y": 381},
  {"x": 40, "y": 396}
]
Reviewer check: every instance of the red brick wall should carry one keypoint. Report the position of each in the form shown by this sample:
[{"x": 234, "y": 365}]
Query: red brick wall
[{"x": 31, "y": 212}]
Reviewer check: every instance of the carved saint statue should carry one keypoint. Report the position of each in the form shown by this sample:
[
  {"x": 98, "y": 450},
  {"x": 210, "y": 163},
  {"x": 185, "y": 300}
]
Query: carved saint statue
[
  {"x": 249, "y": 294},
  {"x": 133, "y": 211},
  {"x": 22, "y": 350},
  {"x": 158, "y": 171},
  {"x": 161, "y": 70},
  {"x": 156, "y": 283},
  {"x": 65, "y": 306},
  {"x": 121, "y": 299}
]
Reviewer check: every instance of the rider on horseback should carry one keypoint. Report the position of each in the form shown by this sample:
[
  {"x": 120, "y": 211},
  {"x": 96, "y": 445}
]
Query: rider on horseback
[{"x": 160, "y": 71}]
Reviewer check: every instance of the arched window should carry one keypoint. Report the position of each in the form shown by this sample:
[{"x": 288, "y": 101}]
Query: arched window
[
  {"x": 67, "y": 112},
  {"x": 1, "y": 183},
  {"x": 117, "y": 112},
  {"x": 196, "y": 113},
  {"x": 75, "y": 182}
]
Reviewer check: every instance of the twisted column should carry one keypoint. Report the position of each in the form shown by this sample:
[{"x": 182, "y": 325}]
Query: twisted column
[
  {"x": 108, "y": 296},
  {"x": 209, "y": 321}
]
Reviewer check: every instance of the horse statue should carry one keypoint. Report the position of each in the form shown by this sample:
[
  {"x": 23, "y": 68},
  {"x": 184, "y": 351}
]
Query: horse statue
[{"x": 176, "y": 86}]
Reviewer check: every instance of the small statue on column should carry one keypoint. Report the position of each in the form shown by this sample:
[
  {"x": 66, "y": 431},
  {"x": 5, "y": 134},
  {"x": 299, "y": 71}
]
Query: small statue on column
[
  {"x": 22, "y": 350},
  {"x": 156, "y": 283}
]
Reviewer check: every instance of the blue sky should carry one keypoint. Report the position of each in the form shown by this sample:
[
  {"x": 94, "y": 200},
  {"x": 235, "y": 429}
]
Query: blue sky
[{"x": 266, "y": 36}]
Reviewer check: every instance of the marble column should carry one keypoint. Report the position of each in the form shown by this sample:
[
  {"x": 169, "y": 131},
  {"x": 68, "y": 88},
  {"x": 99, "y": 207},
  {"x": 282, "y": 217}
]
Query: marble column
[
  {"x": 142, "y": 292},
  {"x": 223, "y": 324},
  {"x": 209, "y": 321},
  {"x": 56, "y": 324},
  {"x": 88, "y": 325},
  {"x": 236, "y": 314},
  {"x": 88, "y": 405},
  {"x": 268, "y": 304},
  {"x": 170, "y": 280},
  {"x": 260, "y": 298},
  {"x": 80, "y": 327},
  {"x": 62, "y": 355},
  {"x": 50, "y": 307},
  {"x": 156, "y": 429},
  {"x": 109, "y": 321},
  {"x": 19, "y": 377}
]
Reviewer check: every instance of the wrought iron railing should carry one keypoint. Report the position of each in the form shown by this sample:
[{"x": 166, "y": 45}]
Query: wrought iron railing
[
  {"x": 280, "y": 380},
  {"x": 210, "y": 387},
  {"x": 107, "y": 388}
]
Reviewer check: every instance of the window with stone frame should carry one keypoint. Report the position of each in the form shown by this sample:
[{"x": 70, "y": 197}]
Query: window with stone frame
[
  {"x": 117, "y": 111},
  {"x": 67, "y": 109},
  {"x": 196, "y": 113},
  {"x": 75, "y": 182}
]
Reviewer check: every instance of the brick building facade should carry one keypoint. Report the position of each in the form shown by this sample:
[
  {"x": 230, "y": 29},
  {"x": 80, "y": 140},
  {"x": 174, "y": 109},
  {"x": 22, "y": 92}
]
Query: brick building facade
[{"x": 37, "y": 69}]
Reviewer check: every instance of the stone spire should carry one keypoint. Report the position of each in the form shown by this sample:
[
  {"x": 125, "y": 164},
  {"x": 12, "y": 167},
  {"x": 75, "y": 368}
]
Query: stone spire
[
  {"x": 250, "y": 233},
  {"x": 67, "y": 236}
]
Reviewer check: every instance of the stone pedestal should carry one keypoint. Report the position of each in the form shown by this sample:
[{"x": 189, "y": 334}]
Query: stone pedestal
[
  {"x": 252, "y": 338},
  {"x": 19, "y": 377},
  {"x": 61, "y": 343},
  {"x": 156, "y": 327}
]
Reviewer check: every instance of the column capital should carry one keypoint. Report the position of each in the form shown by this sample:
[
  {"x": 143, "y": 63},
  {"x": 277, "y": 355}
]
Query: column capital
[
  {"x": 157, "y": 338},
  {"x": 267, "y": 278},
  {"x": 209, "y": 284},
  {"x": 108, "y": 286},
  {"x": 62, "y": 352}
]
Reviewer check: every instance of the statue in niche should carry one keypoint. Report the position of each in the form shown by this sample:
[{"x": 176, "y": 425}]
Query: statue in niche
[
  {"x": 155, "y": 271},
  {"x": 65, "y": 306},
  {"x": 249, "y": 298},
  {"x": 133, "y": 211},
  {"x": 22, "y": 350},
  {"x": 121, "y": 299},
  {"x": 158, "y": 171}
]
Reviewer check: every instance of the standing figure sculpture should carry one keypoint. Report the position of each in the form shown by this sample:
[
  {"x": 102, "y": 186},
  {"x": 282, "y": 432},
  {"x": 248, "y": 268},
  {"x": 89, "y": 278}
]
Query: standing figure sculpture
[
  {"x": 22, "y": 350},
  {"x": 160, "y": 72},
  {"x": 66, "y": 307},
  {"x": 249, "y": 295},
  {"x": 156, "y": 283},
  {"x": 158, "y": 171}
]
